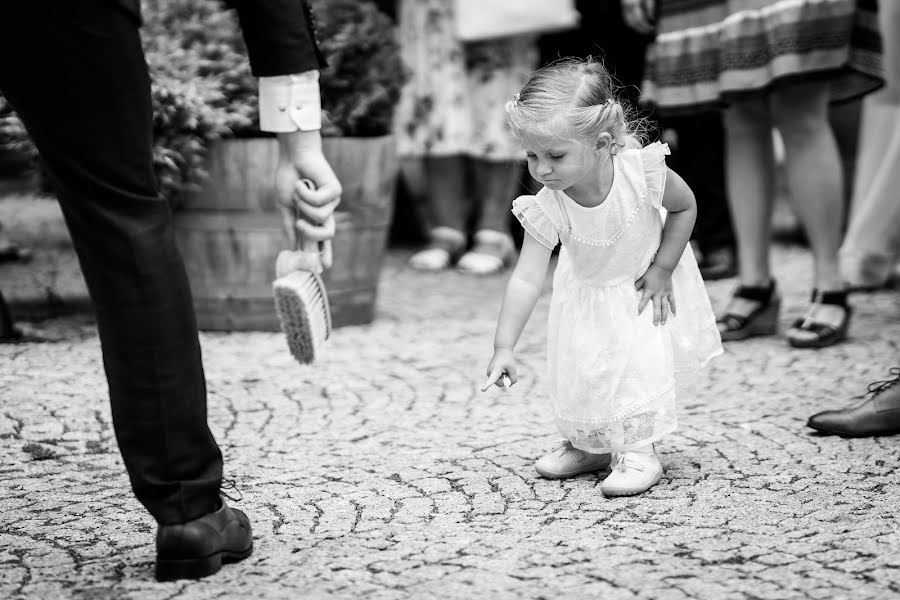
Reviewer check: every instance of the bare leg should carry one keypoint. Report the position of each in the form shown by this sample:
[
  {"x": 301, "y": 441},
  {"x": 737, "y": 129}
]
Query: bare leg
[
  {"x": 815, "y": 176},
  {"x": 749, "y": 169},
  {"x": 496, "y": 183},
  {"x": 447, "y": 206}
]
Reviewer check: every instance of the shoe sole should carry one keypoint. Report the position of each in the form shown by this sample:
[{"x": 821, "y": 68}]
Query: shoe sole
[
  {"x": 831, "y": 340},
  {"x": 620, "y": 493},
  {"x": 765, "y": 323},
  {"x": 565, "y": 475},
  {"x": 847, "y": 434},
  {"x": 196, "y": 568}
]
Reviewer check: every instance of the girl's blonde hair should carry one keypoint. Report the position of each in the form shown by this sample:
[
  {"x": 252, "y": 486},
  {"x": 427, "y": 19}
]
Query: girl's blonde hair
[{"x": 574, "y": 99}]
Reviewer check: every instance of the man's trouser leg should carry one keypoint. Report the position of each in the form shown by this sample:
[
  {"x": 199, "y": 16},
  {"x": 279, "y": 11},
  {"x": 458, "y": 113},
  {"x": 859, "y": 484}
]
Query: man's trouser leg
[{"x": 75, "y": 72}]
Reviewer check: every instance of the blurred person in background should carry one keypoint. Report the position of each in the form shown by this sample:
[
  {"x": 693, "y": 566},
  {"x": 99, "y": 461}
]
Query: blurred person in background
[
  {"x": 770, "y": 63},
  {"x": 872, "y": 239},
  {"x": 697, "y": 140},
  {"x": 76, "y": 75},
  {"x": 451, "y": 117},
  {"x": 871, "y": 245}
]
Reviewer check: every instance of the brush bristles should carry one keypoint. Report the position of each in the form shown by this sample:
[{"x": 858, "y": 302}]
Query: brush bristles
[{"x": 302, "y": 307}]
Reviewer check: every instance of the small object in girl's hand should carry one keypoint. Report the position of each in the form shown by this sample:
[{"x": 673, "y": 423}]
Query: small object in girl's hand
[{"x": 506, "y": 382}]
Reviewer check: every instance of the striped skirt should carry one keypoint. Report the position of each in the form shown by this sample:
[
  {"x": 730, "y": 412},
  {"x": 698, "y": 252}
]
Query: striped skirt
[{"x": 708, "y": 53}]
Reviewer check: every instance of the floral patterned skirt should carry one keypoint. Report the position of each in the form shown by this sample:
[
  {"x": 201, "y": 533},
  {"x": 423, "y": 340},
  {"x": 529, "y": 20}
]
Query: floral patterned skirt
[
  {"x": 453, "y": 103},
  {"x": 708, "y": 53}
]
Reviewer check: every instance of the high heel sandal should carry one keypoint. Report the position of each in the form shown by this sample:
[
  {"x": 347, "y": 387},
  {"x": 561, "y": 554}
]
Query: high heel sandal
[
  {"x": 823, "y": 334},
  {"x": 762, "y": 320}
]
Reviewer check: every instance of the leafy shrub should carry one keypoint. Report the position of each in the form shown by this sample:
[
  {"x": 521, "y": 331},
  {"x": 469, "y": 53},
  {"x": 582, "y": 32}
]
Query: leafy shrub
[{"x": 202, "y": 88}]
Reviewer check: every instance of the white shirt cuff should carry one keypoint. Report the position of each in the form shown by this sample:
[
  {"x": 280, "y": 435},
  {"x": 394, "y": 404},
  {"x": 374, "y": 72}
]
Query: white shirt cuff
[{"x": 290, "y": 102}]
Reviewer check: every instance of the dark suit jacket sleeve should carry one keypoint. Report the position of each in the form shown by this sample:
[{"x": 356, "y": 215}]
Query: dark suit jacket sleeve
[{"x": 280, "y": 36}]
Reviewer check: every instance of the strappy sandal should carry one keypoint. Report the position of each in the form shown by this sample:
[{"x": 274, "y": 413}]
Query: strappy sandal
[
  {"x": 823, "y": 333},
  {"x": 762, "y": 320}
]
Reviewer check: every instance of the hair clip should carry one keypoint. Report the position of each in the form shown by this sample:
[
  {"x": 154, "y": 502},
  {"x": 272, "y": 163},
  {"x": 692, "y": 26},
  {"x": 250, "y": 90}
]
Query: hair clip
[{"x": 515, "y": 99}]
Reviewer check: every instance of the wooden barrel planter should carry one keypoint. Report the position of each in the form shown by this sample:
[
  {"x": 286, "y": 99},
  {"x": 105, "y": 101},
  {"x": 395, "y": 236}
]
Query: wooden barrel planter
[{"x": 229, "y": 232}]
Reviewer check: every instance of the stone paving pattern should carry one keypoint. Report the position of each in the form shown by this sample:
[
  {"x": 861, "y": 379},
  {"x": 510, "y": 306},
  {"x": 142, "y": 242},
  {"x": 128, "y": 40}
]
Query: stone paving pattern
[{"x": 382, "y": 472}]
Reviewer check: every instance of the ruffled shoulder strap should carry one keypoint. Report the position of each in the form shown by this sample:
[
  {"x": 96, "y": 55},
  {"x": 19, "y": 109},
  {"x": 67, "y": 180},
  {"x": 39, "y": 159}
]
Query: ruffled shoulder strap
[
  {"x": 653, "y": 159},
  {"x": 534, "y": 213}
]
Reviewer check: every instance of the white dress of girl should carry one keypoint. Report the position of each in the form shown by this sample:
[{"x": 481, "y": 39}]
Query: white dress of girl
[{"x": 611, "y": 371}]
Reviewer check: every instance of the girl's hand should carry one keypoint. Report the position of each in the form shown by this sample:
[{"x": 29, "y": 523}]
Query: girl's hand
[
  {"x": 502, "y": 362},
  {"x": 656, "y": 284}
]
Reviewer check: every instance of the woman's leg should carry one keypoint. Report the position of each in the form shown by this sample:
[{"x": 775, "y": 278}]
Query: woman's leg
[
  {"x": 872, "y": 241},
  {"x": 496, "y": 183},
  {"x": 749, "y": 167},
  {"x": 447, "y": 206},
  {"x": 814, "y": 172},
  {"x": 815, "y": 179}
]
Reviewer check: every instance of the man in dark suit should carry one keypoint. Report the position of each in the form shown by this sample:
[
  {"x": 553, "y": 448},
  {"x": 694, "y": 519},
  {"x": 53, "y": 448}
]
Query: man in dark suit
[{"x": 75, "y": 73}]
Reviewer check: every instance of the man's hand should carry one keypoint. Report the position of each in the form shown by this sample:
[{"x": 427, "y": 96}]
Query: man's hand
[
  {"x": 638, "y": 14},
  {"x": 307, "y": 210}
]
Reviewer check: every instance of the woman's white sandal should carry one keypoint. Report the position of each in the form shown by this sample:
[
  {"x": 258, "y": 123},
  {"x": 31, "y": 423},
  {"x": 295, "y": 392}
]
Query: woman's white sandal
[
  {"x": 445, "y": 242},
  {"x": 493, "y": 250}
]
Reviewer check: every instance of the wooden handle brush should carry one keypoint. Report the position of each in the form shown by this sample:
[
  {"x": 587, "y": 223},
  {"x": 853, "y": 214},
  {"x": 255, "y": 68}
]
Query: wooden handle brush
[{"x": 301, "y": 300}]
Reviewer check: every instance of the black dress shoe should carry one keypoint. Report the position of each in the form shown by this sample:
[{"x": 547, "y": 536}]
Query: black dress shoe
[
  {"x": 878, "y": 415},
  {"x": 198, "y": 548}
]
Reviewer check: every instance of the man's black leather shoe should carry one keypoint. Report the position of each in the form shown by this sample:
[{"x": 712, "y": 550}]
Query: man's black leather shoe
[
  {"x": 878, "y": 415},
  {"x": 198, "y": 548}
]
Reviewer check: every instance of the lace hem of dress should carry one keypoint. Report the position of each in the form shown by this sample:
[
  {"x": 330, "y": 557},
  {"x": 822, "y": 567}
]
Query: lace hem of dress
[
  {"x": 652, "y": 404},
  {"x": 636, "y": 431}
]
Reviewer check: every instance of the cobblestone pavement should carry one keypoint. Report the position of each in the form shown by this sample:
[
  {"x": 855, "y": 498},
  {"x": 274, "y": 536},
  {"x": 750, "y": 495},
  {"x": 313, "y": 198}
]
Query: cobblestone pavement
[{"x": 383, "y": 472}]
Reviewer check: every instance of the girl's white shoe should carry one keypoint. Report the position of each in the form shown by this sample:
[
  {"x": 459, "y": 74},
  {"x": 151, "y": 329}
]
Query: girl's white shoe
[
  {"x": 632, "y": 473},
  {"x": 567, "y": 461}
]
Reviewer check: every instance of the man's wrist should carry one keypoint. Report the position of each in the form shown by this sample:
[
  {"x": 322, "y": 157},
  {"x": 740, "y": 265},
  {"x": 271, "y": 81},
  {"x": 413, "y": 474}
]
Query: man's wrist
[
  {"x": 289, "y": 103},
  {"x": 295, "y": 145}
]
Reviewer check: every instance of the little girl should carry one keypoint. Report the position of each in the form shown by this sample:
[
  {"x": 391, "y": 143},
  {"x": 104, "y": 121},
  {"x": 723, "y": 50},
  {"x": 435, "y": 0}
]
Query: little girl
[{"x": 629, "y": 309}]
